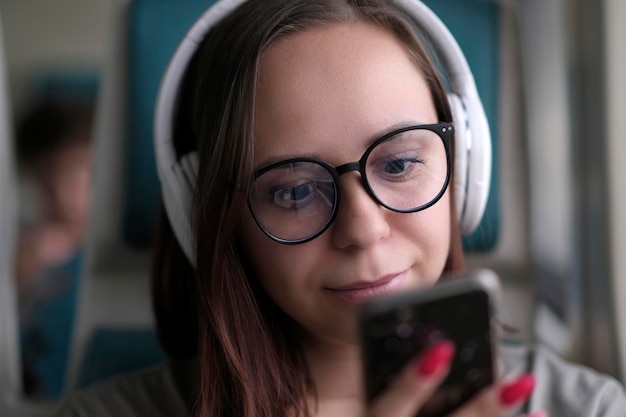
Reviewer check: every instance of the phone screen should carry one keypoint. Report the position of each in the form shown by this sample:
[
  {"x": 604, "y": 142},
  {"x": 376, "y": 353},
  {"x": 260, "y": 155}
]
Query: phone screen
[{"x": 395, "y": 335}]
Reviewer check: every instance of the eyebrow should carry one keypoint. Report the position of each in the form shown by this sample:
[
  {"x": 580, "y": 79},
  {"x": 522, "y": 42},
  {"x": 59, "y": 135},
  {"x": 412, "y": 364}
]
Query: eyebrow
[{"x": 373, "y": 138}]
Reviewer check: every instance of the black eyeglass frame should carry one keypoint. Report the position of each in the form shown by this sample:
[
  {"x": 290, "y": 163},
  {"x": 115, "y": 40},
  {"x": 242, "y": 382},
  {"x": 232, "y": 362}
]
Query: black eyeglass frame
[{"x": 443, "y": 130}]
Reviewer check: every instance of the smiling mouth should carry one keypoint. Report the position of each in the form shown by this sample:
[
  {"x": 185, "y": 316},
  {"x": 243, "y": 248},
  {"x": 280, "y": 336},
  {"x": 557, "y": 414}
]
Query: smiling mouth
[{"x": 363, "y": 291}]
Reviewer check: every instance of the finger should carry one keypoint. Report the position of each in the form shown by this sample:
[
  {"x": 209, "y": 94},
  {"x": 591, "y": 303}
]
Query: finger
[
  {"x": 415, "y": 384},
  {"x": 496, "y": 401},
  {"x": 515, "y": 392}
]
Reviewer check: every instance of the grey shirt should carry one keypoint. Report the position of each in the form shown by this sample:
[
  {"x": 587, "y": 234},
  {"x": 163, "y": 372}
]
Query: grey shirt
[
  {"x": 563, "y": 389},
  {"x": 166, "y": 390}
]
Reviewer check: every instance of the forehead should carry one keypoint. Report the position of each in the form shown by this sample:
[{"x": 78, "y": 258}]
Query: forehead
[{"x": 328, "y": 90}]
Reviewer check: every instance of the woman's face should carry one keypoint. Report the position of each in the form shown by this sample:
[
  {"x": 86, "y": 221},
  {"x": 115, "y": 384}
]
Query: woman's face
[{"x": 328, "y": 93}]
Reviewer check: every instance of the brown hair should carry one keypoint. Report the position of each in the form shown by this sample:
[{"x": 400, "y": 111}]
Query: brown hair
[
  {"x": 52, "y": 124},
  {"x": 250, "y": 364}
]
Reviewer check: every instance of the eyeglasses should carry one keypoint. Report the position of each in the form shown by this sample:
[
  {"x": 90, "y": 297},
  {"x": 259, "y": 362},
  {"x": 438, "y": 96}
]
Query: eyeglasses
[{"x": 407, "y": 170}]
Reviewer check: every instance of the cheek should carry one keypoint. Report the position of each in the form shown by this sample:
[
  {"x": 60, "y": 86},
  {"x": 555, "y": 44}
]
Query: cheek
[
  {"x": 430, "y": 234},
  {"x": 442, "y": 213},
  {"x": 285, "y": 272}
]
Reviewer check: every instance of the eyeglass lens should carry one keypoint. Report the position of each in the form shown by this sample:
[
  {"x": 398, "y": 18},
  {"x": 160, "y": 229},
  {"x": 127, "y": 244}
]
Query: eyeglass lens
[{"x": 297, "y": 199}]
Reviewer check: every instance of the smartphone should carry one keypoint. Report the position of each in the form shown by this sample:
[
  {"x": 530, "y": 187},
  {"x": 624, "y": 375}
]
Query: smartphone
[{"x": 395, "y": 329}]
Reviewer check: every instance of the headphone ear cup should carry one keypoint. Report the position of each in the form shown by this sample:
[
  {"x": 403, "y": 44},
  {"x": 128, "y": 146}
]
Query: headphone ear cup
[
  {"x": 459, "y": 118},
  {"x": 472, "y": 160},
  {"x": 189, "y": 164},
  {"x": 479, "y": 157},
  {"x": 178, "y": 196}
]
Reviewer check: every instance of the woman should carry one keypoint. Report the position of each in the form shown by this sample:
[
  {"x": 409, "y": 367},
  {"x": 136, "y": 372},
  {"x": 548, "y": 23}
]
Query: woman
[{"x": 281, "y": 98}]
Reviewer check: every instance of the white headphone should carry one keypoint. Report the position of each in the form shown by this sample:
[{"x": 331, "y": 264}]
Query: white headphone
[{"x": 473, "y": 141}]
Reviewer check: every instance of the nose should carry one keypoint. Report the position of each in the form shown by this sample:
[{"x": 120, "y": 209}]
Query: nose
[{"x": 360, "y": 220}]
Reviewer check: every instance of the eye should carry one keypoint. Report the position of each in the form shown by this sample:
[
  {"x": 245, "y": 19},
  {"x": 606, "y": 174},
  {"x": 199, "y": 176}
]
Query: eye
[
  {"x": 398, "y": 166},
  {"x": 294, "y": 197}
]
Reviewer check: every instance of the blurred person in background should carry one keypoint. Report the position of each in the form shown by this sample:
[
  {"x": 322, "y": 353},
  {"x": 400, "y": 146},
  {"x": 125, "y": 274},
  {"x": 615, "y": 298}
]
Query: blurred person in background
[{"x": 54, "y": 159}]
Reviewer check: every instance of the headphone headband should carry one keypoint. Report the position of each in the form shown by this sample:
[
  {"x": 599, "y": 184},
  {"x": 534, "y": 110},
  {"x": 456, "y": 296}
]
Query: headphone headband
[{"x": 473, "y": 142}]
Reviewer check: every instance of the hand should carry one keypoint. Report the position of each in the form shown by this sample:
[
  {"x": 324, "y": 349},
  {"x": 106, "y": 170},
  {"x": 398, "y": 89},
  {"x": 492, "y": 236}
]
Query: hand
[{"x": 420, "y": 378}]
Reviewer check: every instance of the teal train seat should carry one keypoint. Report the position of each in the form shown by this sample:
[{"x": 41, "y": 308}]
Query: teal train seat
[{"x": 113, "y": 331}]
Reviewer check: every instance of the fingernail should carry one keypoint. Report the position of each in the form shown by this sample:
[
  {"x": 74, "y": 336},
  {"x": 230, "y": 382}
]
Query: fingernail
[
  {"x": 436, "y": 358},
  {"x": 517, "y": 390},
  {"x": 538, "y": 414}
]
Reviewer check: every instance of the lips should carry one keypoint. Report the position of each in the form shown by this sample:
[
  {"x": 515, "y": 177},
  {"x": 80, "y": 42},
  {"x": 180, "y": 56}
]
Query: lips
[{"x": 362, "y": 291}]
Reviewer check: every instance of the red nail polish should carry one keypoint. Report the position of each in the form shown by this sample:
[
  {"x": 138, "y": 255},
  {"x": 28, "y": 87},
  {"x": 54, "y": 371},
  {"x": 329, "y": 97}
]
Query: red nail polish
[
  {"x": 435, "y": 358},
  {"x": 517, "y": 390}
]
